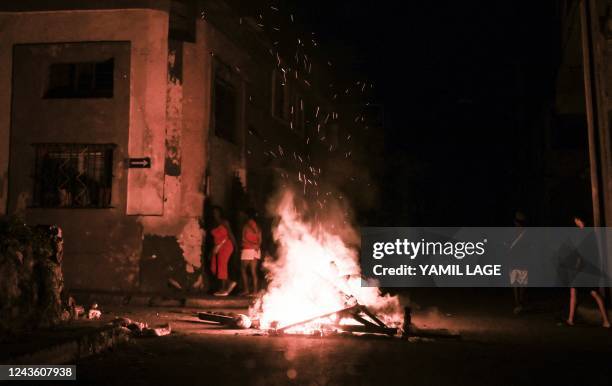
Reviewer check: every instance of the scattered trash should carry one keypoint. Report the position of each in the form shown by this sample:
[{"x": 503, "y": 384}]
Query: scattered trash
[
  {"x": 142, "y": 329},
  {"x": 94, "y": 314},
  {"x": 162, "y": 330},
  {"x": 75, "y": 311},
  {"x": 78, "y": 311},
  {"x": 133, "y": 326}
]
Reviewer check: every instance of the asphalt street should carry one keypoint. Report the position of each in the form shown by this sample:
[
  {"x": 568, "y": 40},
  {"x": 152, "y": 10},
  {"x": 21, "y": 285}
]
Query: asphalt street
[{"x": 496, "y": 348}]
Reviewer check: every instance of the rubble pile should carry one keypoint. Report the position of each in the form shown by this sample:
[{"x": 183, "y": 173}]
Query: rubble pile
[{"x": 31, "y": 288}]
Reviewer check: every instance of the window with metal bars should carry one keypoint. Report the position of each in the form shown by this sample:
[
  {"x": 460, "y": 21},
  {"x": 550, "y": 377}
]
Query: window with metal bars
[{"x": 73, "y": 175}]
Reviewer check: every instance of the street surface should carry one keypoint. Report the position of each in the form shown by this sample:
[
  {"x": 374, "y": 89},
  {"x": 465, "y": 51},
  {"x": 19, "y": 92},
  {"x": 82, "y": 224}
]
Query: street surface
[{"x": 496, "y": 348}]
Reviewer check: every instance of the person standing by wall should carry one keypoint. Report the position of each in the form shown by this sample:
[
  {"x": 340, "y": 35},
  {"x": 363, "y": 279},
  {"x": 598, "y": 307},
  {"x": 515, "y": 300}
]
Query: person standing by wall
[
  {"x": 224, "y": 243},
  {"x": 578, "y": 263},
  {"x": 519, "y": 255},
  {"x": 251, "y": 251}
]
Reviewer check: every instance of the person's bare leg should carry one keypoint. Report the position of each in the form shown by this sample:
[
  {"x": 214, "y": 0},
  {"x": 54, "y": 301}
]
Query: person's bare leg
[
  {"x": 245, "y": 279},
  {"x": 518, "y": 306},
  {"x": 602, "y": 309},
  {"x": 515, "y": 291},
  {"x": 253, "y": 267},
  {"x": 572, "y": 307}
]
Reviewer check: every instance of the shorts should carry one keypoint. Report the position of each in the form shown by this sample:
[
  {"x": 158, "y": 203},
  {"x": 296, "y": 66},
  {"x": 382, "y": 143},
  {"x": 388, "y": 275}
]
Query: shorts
[
  {"x": 519, "y": 277},
  {"x": 250, "y": 254}
]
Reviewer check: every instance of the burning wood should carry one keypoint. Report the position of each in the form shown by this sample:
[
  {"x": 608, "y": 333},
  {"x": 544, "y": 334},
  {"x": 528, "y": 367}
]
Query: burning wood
[
  {"x": 316, "y": 279},
  {"x": 358, "y": 313}
]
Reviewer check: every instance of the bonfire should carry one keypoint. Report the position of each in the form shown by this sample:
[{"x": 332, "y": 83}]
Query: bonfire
[{"x": 315, "y": 282}]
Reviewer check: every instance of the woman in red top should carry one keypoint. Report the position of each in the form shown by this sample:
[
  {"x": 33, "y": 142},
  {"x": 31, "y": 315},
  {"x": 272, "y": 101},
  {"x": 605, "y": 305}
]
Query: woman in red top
[
  {"x": 251, "y": 251},
  {"x": 224, "y": 246}
]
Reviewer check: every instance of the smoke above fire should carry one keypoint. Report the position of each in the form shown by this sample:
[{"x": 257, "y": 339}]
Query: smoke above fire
[{"x": 316, "y": 269}]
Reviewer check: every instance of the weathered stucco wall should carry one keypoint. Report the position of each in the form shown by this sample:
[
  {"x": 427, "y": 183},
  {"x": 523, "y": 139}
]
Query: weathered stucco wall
[
  {"x": 147, "y": 32},
  {"x": 103, "y": 246},
  {"x": 259, "y": 130},
  {"x": 154, "y": 232},
  {"x": 226, "y": 158},
  {"x": 172, "y": 246}
]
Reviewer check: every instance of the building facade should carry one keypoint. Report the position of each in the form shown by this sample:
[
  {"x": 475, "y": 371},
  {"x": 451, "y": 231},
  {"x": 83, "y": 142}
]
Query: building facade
[{"x": 120, "y": 121}]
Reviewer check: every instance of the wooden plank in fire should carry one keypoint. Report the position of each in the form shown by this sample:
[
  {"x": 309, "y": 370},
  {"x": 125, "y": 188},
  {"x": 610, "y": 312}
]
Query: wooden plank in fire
[
  {"x": 370, "y": 329},
  {"x": 342, "y": 311},
  {"x": 376, "y": 326},
  {"x": 353, "y": 309},
  {"x": 370, "y": 314}
]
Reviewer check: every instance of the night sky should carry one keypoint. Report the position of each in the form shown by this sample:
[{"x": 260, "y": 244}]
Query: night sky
[{"x": 464, "y": 87}]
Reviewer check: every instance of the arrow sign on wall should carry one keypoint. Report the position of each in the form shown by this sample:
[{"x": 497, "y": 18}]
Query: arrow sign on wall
[{"x": 139, "y": 163}]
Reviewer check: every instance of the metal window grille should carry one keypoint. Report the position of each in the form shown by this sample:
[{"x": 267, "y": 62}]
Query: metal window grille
[{"x": 73, "y": 175}]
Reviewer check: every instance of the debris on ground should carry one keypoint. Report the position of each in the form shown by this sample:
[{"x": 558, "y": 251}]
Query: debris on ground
[
  {"x": 78, "y": 311},
  {"x": 140, "y": 328},
  {"x": 75, "y": 311},
  {"x": 231, "y": 320},
  {"x": 162, "y": 330},
  {"x": 94, "y": 314}
]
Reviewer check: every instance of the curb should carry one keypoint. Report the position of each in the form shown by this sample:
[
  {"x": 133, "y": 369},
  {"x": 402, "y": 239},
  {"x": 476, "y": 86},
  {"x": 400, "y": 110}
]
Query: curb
[
  {"x": 217, "y": 303},
  {"x": 79, "y": 348},
  {"x": 161, "y": 300}
]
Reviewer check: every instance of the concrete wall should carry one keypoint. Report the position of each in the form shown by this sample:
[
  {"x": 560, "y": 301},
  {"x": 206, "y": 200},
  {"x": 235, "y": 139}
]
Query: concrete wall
[
  {"x": 225, "y": 157},
  {"x": 237, "y": 46},
  {"x": 147, "y": 32},
  {"x": 90, "y": 233},
  {"x": 172, "y": 244},
  {"x": 103, "y": 246},
  {"x": 155, "y": 229}
]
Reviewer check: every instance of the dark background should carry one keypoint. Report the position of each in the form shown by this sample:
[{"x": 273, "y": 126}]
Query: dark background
[{"x": 465, "y": 88}]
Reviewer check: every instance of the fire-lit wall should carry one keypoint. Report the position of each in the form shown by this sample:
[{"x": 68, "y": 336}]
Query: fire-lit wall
[
  {"x": 103, "y": 246},
  {"x": 35, "y": 119},
  {"x": 162, "y": 107},
  {"x": 264, "y": 144},
  {"x": 173, "y": 242}
]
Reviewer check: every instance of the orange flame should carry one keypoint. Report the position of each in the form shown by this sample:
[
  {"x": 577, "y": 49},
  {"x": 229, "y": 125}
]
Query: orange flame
[{"x": 316, "y": 273}]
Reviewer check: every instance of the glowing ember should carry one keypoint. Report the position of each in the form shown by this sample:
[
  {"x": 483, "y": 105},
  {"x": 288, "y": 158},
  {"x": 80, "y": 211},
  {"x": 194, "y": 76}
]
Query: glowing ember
[{"x": 316, "y": 275}]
